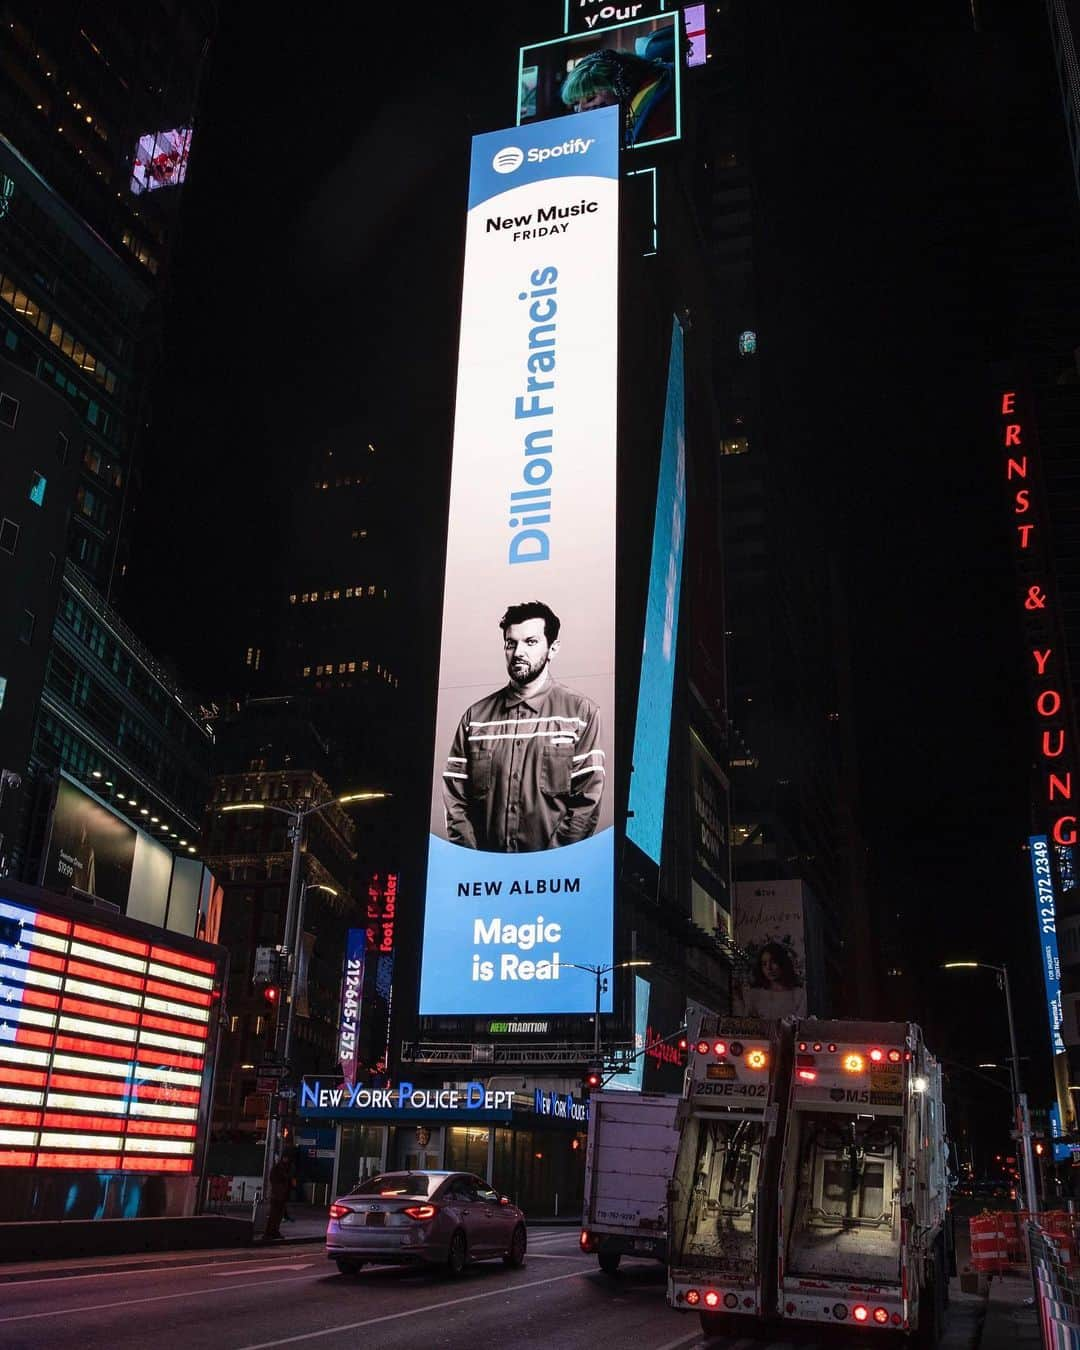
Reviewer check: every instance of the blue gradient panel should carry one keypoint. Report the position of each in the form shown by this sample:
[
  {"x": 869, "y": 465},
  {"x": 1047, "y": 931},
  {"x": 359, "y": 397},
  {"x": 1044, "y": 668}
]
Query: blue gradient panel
[
  {"x": 652, "y": 732},
  {"x": 1042, "y": 881}
]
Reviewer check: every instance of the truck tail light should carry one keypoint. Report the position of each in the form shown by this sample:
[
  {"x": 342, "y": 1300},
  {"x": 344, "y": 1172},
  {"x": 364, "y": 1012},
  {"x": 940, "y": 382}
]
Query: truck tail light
[
  {"x": 731, "y": 1300},
  {"x": 693, "y": 1297},
  {"x": 808, "y": 1075},
  {"x": 339, "y": 1211},
  {"x": 854, "y": 1063},
  {"x": 702, "y": 1047},
  {"x": 881, "y": 1316},
  {"x": 719, "y": 1048},
  {"x": 756, "y": 1059},
  {"x": 421, "y": 1212},
  {"x": 839, "y": 1311},
  {"x": 588, "y": 1243},
  {"x": 860, "y": 1313},
  {"x": 877, "y": 1055},
  {"x": 712, "y": 1298},
  {"x": 894, "y": 1056}
]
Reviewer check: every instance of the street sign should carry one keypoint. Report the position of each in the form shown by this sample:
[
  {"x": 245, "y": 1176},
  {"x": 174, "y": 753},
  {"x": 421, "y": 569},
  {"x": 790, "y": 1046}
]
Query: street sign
[
  {"x": 266, "y": 1084},
  {"x": 272, "y": 1071}
]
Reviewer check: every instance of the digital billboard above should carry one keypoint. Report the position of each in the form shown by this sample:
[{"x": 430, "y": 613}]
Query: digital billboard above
[
  {"x": 652, "y": 731},
  {"x": 160, "y": 160},
  {"x": 635, "y": 67},
  {"x": 520, "y": 869},
  {"x": 581, "y": 16}
]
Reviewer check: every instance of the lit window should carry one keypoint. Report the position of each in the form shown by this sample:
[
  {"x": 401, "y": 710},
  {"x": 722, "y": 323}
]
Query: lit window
[
  {"x": 341, "y": 668},
  {"x": 337, "y": 595},
  {"x": 318, "y": 670},
  {"x": 3, "y": 689},
  {"x": 326, "y": 595},
  {"x": 260, "y": 1024},
  {"x": 371, "y": 590},
  {"x": 348, "y": 593},
  {"x": 365, "y": 665},
  {"x": 234, "y": 1024},
  {"x": 352, "y": 667},
  {"x": 37, "y": 488},
  {"x": 292, "y": 599},
  {"x": 307, "y": 671},
  {"x": 738, "y": 445}
]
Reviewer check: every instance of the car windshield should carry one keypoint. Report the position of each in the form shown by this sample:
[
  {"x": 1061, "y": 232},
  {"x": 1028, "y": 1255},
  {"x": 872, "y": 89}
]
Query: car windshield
[{"x": 398, "y": 1183}]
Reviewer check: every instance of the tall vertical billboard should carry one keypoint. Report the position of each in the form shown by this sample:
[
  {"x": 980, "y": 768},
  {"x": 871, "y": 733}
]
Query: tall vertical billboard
[
  {"x": 520, "y": 869},
  {"x": 652, "y": 731}
]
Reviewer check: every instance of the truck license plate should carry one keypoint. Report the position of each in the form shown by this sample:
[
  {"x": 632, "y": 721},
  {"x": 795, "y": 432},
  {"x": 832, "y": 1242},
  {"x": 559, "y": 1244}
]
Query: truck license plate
[{"x": 719, "y": 1070}]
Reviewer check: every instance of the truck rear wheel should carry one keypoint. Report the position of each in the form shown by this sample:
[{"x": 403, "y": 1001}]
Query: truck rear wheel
[{"x": 609, "y": 1262}]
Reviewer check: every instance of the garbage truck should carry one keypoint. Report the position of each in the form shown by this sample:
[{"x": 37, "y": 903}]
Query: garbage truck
[
  {"x": 863, "y": 1232},
  {"x": 722, "y": 1200}
]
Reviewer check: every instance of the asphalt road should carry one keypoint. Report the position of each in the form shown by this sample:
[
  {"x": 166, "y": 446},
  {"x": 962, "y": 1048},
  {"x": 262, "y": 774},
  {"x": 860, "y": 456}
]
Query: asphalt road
[{"x": 292, "y": 1296}]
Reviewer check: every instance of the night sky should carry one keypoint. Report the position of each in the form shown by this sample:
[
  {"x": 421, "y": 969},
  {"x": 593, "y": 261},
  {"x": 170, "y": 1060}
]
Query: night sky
[{"x": 315, "y": 294}]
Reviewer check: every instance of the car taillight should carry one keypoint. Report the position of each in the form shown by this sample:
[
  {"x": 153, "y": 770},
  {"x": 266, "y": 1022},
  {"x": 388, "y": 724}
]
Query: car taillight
[
  {"x": 860, "y": 1313},
  {"x": 881, "y": 1316},
  {"x": 421, "y": 1211},
  {"x": 339, "y": 1211}
]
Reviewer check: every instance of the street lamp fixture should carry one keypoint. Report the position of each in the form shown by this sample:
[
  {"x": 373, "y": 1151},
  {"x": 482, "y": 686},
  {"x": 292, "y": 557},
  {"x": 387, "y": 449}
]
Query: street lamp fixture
[
  {"x": 293, "y": 928},
  {"x": 598, "y": 973},
  {"x": 1020, "y": 1105}
]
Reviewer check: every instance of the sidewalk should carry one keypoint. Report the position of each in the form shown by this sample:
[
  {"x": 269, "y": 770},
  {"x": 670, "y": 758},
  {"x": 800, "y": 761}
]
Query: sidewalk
[{"x": 1011, "y": 1320}]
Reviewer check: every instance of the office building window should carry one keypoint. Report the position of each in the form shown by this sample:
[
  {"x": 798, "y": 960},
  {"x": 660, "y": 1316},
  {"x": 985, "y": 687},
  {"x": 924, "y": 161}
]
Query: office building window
[
  {"x": 38, "y": 483},
  {"x": 9, "y": 535},
  {"x": 26, "y": 628},
  {"x": 9, "y": 411},
  {"x": 3, "y": 689},
  {"x": 61, "y": 447}
]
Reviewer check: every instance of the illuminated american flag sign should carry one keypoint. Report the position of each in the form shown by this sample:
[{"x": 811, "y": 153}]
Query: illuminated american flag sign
[{"x": 105, "y": 1043}]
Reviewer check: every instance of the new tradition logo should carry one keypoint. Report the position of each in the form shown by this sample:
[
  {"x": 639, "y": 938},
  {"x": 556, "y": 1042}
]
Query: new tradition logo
[{"x": 509, "y": 158}]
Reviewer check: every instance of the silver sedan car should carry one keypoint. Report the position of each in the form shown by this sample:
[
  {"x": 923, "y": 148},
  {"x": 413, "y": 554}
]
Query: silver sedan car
[{"x": 440, "y": 1218}]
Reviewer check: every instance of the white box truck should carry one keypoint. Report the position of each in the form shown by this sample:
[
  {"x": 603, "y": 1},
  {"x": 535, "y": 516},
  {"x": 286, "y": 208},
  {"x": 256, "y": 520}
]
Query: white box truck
[{"x": 629, "y": 1158}]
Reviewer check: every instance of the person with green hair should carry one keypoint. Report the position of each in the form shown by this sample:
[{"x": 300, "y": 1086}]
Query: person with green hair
[{"x": 643, "y": 89}]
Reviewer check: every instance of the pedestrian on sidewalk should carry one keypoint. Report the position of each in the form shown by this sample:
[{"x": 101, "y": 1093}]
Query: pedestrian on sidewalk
[{"x": 280, "y": 1175}]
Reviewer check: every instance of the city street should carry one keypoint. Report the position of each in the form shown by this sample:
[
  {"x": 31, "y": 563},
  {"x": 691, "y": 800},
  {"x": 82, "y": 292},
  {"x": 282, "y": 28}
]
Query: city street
[{"x": 292, "y": 1296}]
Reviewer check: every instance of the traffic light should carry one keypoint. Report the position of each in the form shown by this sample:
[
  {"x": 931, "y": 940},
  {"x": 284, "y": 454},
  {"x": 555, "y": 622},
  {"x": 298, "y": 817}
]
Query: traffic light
[
  {"x": 592, "y": 1079},
  {"x": 271, "y": 994},
  {"x": 1040, "y": 1148}
]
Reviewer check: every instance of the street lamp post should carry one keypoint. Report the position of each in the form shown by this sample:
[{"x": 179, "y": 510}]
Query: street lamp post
[
  {"x": 287, "y": 979},
  {"x": 598, "y": 973},
  {"x": 1020, "y": 1103}
]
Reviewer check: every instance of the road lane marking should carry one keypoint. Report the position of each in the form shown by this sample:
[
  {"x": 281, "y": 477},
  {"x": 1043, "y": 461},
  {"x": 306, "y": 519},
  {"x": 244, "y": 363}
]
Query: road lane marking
[
  {"x": 255, "y": 1270},
  {"x": 153, "y": 1298},
  {"x": 143, "y": 1269},
  {"x": 502, "y": 1291},
  {"x": 693, "y": 1339}
]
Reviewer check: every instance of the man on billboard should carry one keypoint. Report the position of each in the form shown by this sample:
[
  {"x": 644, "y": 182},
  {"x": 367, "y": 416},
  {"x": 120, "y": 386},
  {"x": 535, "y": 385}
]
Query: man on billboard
[{"x": 525, "y": 770}]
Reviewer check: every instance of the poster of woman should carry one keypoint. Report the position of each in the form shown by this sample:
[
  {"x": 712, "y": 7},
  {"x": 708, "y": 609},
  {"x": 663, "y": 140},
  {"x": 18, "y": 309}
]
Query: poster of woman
[{"x": 770, "y": 923}]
